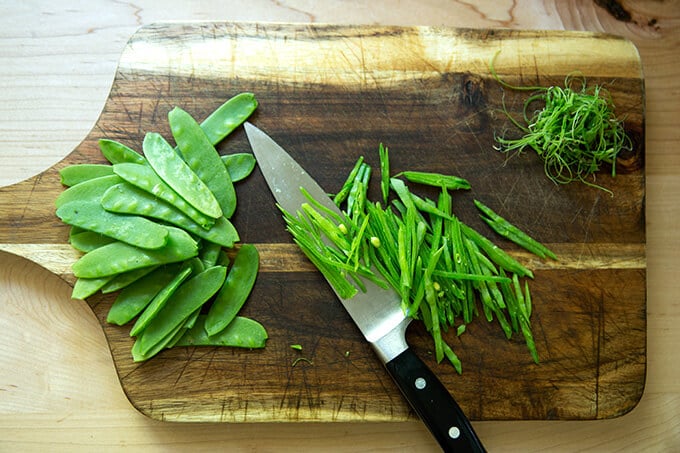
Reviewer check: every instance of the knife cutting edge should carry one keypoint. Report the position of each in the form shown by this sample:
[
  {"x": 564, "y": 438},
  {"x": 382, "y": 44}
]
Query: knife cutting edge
[{"x": 377, "y": 312}]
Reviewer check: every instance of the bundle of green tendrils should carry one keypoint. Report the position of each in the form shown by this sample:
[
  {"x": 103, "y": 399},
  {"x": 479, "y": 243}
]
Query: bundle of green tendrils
[{"x": 574, "y": 133}]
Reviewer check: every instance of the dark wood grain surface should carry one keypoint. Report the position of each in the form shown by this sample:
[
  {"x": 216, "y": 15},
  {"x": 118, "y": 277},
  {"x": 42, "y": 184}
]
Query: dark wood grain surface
[{"x": 328, "y": 95}]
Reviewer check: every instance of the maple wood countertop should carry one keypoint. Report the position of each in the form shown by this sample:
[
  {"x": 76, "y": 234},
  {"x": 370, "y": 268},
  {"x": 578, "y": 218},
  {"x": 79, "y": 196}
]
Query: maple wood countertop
[{"x": 58, "y": 386}]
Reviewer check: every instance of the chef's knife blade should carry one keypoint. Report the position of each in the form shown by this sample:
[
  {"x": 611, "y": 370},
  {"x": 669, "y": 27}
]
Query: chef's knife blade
[{"x": 377, "y": 312}]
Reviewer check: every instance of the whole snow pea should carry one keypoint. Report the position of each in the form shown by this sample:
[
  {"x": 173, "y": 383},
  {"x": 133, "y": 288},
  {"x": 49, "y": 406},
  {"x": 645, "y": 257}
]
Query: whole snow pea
[
  {"x": 92, "y": 189},
  {"x": 236, "y": 289},
  {"x": 241, "y": 332},
  {"x": 183, "y": 302},
  {"x": 138, "y": 355},
  {"x": 210, "y": 253},
  {"x": 177, "y": 174},
  {"x": 123, "y": 280},
  {"x": 88, "y": 241},
  {"x": 202, "y": 158},
  {"x": 117, "y": 153},
  {"x": 127, "y": 199},
  {"x": 75, "y": 174},
  {"x": 143, "y": 177},
  {"x": 239, "y": 165},
  {"x": 229, "y": 116},
  {"x": 135, "y": 297},
  {"x": 186, "y": 325},
  {"x": 119, "y": 257},
  {"x": 85, "y": 287},
  {"x": 159, "y": 301},
  {"x": 134, "y": 230}
]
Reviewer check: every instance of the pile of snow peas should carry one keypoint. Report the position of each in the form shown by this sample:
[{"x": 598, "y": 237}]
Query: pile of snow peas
[{"x": 155, "y": 227}]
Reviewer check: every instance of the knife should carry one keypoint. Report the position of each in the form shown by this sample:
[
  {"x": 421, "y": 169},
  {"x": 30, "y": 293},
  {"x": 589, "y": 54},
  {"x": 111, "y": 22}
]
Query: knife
[{"x": 377, "y": 312}]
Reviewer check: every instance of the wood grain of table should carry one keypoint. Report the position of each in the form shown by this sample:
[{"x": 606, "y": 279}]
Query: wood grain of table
[{"x": 58, "y": 386}]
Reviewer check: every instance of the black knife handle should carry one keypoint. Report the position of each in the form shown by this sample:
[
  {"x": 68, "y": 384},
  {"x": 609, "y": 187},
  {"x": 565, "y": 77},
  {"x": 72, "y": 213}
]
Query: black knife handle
[{"x": 433, "y": 404}]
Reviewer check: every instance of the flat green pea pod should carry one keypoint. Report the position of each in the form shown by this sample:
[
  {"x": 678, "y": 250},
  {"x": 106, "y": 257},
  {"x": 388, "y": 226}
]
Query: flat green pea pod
[
  {"x": 203, "y": 159},
  {"x": 134, "y": 230},
  {"x": 239, "y": 165},
  {"x": 144, "y": 178},
  {"x": 188, "y": 298},
  {"x": 85, "y": 287},
  {"x": 178, "y": 175},
  {"x": 236, "y": 289},
  {"x": 119, "y": 257},
  {"x": 117, "y": 153},
  {"x": 241, "y": 332},
  {"x": 87, "y": 241},
  {"x": 127, "y": 199},
  {"x": 159, "y": 301},
  {"x": 138, "y": 295},
  {"x": 210, "y": 253},
  {"x": 229, "y": 116},
  {"x": 139, "y": 355},
  {"x": 75, "y": 174},
  {"x": 121, "y": 281},
  {"x": 92, "y": 189}
]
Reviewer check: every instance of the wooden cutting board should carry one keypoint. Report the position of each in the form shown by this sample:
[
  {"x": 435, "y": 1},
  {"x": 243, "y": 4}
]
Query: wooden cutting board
[{"x": 330, "y": 94}]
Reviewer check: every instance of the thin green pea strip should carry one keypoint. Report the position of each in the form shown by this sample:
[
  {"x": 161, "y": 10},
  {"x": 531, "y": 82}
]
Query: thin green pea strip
[
  {"x": 159, "y": 301},
  {"x": 134, "y": 230},
  {"x": 178, "y": 175},
  {"x": 202, "y": 158},
  {"x": 119, "y": 257},
  {"x": 236, "y": 289},
  {"x": 75, "y": 174},
  {"x": 508, "y": 230},
  {"x": 241, "y": 332},
  {"x": 436, "y": 180},
  {"x": 239, "y": 165},
  {"x": 183, "y": 302},
  {"x": 143, "y": 177},
  {"x": 127, "y": 199}
]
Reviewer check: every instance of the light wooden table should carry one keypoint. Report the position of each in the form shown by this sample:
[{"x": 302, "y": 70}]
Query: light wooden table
[{"x": 58, "y": 386}]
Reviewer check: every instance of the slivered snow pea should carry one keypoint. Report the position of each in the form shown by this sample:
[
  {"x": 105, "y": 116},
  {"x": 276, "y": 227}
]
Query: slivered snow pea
[
  {"x": 85, "y": 287},
  {"x": 159, "y": 301},
  {"x": 88, "y": 241},
  {"x": 117, "y": 153},
  {"x": 240, "y": 333},
  {"x": 121, "y": 281},
  {"x": 127, "y": 199},
  {"x": 135, "y": 297},
  {"x": 235, "y": 291},
  {"x": 119, "y": 257},
  {"x": 75, "y": 174},
  {"x": 87, "y": 190},
  {"x": 143, "y": 177},
  {"x": 177, "y": 174},
  {"x": 436, "y": 179},
  {"x": 229, "y": 116},
  {"x": 202, "y": 158},
  {"x": 509, "y": 231},
  {"x": 189, "y": 297},
  {"x": 134, "y": 230},
  {"x": 239, "y": 165},
  {"x": 496, "y": 254}
]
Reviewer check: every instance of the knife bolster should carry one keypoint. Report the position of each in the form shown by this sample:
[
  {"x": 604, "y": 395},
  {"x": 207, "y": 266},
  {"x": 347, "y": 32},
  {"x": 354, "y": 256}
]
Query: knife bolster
[{"x": 392, "y": 343}]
